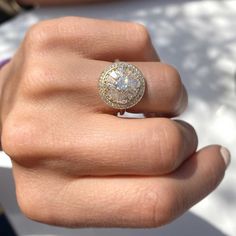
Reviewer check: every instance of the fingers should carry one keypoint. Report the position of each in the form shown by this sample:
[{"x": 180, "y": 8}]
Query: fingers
[
  {"x": 120, "y": 201},
  {"x": 165, "y": 93},
  {"x": 100, "y": 145},
  {"x": 93, "y": 38},
  {"x": 193, "y": 181},
  {"x": 136, "y": 147}
]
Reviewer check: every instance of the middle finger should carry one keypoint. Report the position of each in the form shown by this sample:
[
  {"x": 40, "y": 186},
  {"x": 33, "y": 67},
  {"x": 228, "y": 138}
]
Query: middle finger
[{"x": 107, "y": 145}]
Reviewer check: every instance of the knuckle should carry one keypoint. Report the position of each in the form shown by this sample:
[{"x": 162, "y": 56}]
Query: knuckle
[
  {"x": 38, "y": 197},
  {"x": 31, "y": 203},
  {"x": 36, "y": 80},
  {"x": 35, "y": 35},
  {"x": 39, "y": 36},
  {"x": 168, "y": 208},
  {"x": 66, "y": 25},
  {"x": 147, "y": 200},
  {"x": 46, "y": 35},
  {"x": 170, "y": 141},
  {"x": 160, "y": 209},
  {"x": 28, "y": 204},
  {"x": 18, "y": 139}
]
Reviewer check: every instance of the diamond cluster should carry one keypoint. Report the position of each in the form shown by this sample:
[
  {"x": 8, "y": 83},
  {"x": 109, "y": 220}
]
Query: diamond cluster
[{"x": 121, "y": 85}]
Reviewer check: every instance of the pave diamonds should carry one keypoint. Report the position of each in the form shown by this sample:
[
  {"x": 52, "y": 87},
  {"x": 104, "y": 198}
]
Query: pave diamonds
[{"x": 121, "y": 85}]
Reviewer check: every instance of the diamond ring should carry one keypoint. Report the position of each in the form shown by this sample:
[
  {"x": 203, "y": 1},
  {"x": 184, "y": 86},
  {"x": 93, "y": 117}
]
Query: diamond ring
[{"x": 121, "y": 85}]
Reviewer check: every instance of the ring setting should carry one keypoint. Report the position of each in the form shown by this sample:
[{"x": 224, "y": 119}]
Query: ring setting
[{"x": 121, "y": 85}]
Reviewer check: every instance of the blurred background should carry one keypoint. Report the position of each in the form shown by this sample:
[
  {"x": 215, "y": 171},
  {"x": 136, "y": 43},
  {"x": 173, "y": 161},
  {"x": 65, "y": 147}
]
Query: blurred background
[{"x": 199, "y": 38}]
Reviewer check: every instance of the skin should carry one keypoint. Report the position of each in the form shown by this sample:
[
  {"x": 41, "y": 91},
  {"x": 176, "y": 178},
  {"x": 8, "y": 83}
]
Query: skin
[{"x": 77, "y": 164}]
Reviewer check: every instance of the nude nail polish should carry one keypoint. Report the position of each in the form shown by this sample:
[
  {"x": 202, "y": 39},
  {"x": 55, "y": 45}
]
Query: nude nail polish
[{"x": 225, "y": 153}]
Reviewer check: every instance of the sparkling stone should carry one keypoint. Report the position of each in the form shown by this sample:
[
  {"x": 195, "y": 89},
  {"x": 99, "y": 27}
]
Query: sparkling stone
[
  {"x": 124, "y": 101},
  {"x": 134, "y": 83},
  {"x": 110, "y": 79},
  {"x": 113, "y": 74},
  {"x": 122, "y": 86},
  {"x": 122, "y": 83}
]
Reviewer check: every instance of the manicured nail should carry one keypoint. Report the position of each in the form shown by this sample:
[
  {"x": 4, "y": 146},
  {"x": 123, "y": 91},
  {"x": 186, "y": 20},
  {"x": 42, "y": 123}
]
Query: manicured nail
[{"x": 225, "y": 153}]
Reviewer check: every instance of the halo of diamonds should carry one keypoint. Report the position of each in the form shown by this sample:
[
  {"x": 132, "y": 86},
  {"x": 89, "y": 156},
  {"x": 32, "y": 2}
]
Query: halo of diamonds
[{"x": 121, "y": 85}]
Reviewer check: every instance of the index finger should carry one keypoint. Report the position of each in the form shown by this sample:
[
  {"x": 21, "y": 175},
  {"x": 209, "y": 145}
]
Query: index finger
[{"x": 95, "y": 39}]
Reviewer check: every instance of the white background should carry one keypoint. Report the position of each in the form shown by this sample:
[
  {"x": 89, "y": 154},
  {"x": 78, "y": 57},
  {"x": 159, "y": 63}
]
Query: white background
[{"x": 199, "y": 38}]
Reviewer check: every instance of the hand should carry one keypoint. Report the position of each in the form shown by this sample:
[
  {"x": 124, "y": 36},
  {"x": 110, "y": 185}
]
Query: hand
[{"x": 76, "y": 163}]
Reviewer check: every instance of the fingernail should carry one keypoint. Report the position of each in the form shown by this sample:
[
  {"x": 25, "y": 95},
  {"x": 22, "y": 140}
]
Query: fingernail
[{"x": 225, "y": 153}]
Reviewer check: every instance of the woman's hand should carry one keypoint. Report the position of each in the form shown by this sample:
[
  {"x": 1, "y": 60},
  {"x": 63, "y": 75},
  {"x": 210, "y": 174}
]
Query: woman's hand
[{"x": 75, "y": 162}]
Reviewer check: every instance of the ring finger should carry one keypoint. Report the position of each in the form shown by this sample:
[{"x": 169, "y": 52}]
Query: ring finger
[{"x": 165, "y": 94}]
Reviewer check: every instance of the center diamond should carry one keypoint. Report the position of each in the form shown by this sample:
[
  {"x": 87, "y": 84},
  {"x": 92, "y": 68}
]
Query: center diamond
[{"x": 122, "y": 83}]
